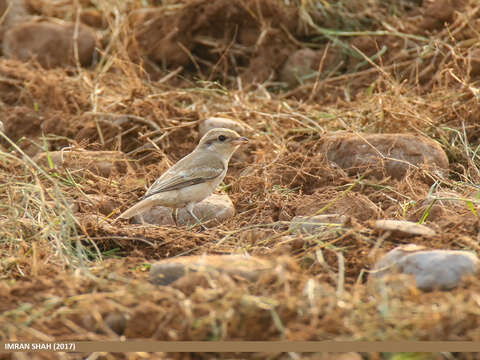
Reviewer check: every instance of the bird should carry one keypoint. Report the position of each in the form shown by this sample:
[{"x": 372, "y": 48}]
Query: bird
[{"x": 194, "y": 177}]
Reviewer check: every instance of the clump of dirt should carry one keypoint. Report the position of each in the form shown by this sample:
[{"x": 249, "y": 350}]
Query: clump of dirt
[
  {"x": 29, "y": 127},
  {"x": 51, "y": 44},
  {"x": 351, "y": 204},
  {"x": 217, "y": 39}
]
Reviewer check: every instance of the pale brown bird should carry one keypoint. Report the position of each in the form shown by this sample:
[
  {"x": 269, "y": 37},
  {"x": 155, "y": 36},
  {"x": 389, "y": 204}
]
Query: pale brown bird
[{"x": 194, "y": 177}]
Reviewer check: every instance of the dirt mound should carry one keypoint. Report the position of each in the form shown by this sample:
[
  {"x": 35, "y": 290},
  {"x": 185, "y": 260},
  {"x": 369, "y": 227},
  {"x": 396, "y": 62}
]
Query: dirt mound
[
  {"x": 218, "y": 39},
  {"x": 51, "y": 44}
]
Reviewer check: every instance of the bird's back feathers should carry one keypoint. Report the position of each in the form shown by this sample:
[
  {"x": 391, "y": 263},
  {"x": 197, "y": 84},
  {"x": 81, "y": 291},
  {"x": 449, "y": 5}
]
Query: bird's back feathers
[{"x": 192, "y": 169}]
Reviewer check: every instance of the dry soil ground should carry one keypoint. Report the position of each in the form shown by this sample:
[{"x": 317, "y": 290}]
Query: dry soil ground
[{"x": 69, "y": 271}]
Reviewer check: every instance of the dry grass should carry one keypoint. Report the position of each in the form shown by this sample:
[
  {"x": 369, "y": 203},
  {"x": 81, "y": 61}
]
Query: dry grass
[{"x": 66, "y": 265}]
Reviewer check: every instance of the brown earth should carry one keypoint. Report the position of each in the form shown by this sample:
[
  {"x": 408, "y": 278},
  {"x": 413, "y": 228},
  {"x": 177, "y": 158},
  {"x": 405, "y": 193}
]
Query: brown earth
[{"x": 82, "y": 144}]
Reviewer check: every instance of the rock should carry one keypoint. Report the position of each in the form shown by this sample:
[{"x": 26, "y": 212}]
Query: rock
[
  {"x": 406, "y": 227},
  {"x": 219, "y": 122},
  {"x": 385, "y": 154},
  {"x": 117, "y": 322},
  {"x": 431, "y": 269},
  {"x": 302, "y": 65},
  {"x": 103, "y": 163},
  {"x": 313, "y": 224},
  {"x": 216, "y": 207},
  {"x": 51, "y": 44},
  {"x": 167, "y": 271}
]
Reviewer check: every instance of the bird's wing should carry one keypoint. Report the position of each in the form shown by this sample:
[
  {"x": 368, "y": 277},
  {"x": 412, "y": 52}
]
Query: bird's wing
[{"x": 188, "y": 171}]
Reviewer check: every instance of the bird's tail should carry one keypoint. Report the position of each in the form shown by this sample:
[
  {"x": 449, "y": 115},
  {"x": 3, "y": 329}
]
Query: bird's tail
[{"x": 136, "y": 209}]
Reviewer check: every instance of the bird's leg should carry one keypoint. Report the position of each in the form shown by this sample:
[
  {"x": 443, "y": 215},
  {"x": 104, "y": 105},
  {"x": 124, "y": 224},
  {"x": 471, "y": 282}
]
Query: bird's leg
[
  {"x": 175, "y": 216},
  {"x": 190, "y": 211}
]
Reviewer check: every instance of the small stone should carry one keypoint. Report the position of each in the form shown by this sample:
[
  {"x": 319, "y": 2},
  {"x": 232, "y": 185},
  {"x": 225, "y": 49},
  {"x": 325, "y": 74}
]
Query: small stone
[
  {"x": 103, "y": 163},
  {"x": 432, "y": 269},
  {"x": 164, "y": 273},
  {"x": 385, "y": 154},
  {"x": 302, "y": 65},
  {"x": 167, "y": 271},
  {"x": 216, "y": 207},
  {"x": 117, "y": 322},
  {"x": 406, "y": 227},
  {"x": 51, "y": 44},
  {"x": 313, "y": 224},
  {"x": 219, "y": 122}
]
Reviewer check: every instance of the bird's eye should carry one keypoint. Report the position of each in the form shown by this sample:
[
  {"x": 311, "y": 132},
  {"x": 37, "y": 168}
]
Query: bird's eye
[{"x": 222, "y": 138}]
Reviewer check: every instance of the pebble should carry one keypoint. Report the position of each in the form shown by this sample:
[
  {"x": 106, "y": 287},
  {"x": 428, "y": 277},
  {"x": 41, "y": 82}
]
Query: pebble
[
  {"x": 385, "y": 154},
  {"x": 406, "y": 227},
  {"x": 167, "y": 271},
  {"x": 316, "y": 223},
  {"x": 303, "y": 64},
  {"x": 431, "y": 269},
  {"x": 117, "y": 322},
  {"x": 216, "y": 207}
]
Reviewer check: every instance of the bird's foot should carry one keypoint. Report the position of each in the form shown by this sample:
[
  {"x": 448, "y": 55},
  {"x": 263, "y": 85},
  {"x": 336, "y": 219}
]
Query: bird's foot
[{"x": 199, "y": 222}]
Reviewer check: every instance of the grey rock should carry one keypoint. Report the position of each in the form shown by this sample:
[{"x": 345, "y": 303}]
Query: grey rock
[
  {"x": 216, "y": 207},
  {"x": 117, "y": 322},
  {"x": 432, "y": 269},
  {"x": 406, "y": 227},
  {"x": 313, "y": 224},
  {"x": 164, "y": 273},
  {"x": 384, "y": 154},
  {"x": 167, "y": 271}
]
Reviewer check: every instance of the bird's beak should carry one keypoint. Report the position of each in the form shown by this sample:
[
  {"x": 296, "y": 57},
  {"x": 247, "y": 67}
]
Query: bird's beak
[{"x": 240, "y": 141}]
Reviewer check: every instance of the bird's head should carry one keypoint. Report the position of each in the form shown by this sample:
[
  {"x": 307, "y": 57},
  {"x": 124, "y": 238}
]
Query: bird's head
[{"x": 222, "y": 141}]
